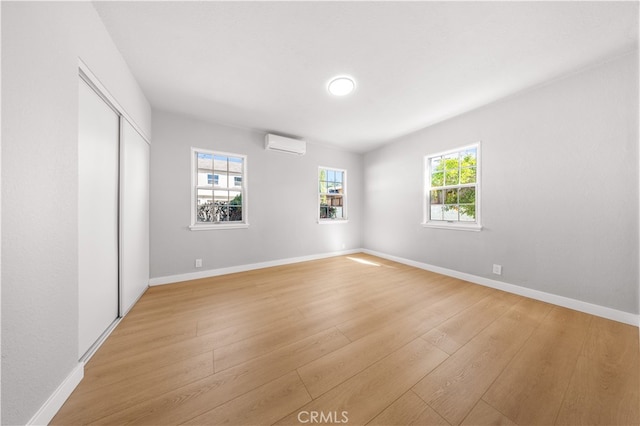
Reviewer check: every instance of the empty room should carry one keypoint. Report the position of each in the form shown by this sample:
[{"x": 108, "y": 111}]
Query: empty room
[{"x": 320, "y": 212}]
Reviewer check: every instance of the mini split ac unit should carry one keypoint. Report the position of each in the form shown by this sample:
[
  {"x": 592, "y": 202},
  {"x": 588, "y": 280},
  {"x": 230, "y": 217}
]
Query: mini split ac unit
[{"x": 283, "y": 144}]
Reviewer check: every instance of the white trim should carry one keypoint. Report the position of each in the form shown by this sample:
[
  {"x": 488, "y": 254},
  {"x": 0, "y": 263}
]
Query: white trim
[
  {"x": 578, "y": 305},
  {"x": 49, "y": 409},
  {"x": 109, "y": 97},
  {"x": 332, "y": 221},
  {"x": 457, "y": 226},
  {"x": 170, "y": 279},
  {"x": 223, "y": 225},
  {"x": 103, "y": 337}
]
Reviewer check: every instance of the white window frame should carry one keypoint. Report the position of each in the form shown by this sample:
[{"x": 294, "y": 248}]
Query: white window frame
[
  {"x": 426, "y": 196},
  {"x": 199, "y": 226},
  {"x": 345, "y": 217}
]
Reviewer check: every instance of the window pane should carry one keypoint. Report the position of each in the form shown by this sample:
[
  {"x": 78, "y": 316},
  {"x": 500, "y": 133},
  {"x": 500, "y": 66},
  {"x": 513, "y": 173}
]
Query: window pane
[
  {"x": 450, "y": 212},
  {"x": 331, "y": 187},
  {"x": 339, "y": 177},
  {"x": 235, "y": 206},
  {"x": 436, "y": 164},
  {"x": 323, "y": 187},
  {"x": 451, "y": 161},
  {"x": 437, "y": 197},
  {"x": 467, "y": 195},
  {"x": 205, "y": 161},
  {"x": 331, "y": 175},
  {"x": 468, "y": 175},
  {"x": 324, "y": 212},
  {"x": 235, "y": 165},
  {"x": 227, "y": 181},
  {"x": 437, "y": 212},
  {"x": 437, "y": 179},
  {"x": 469, "y": 157},
  {"x": 467, "y": 212},
  {"x": 220, "y": 163},
  {"x": 204, "y": 205},
  {"x": 451, "y": 177},
  {"x": 221, "y": 196},
  {"x": 338, "y": 213},
  {"x": 204, "y": 178},
  {"x": 451, "y": 196}
]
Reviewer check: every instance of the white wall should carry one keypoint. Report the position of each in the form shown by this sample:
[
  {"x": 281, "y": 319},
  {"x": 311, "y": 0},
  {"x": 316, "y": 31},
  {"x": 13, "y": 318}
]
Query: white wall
[
  {"x": 282, "y": 200},
  {"x": 41, "y": 45},
  {"x": 559, "y": 189}
]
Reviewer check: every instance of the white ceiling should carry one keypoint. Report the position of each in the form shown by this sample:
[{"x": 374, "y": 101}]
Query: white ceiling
[{"x": 265, "y": 65}]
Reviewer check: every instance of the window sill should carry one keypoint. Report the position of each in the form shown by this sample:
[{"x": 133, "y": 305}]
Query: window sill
[
  {"x": 219, "y": 226},
  {"x": 454, "y": 226},
  {"x": 332, "y": 221}
]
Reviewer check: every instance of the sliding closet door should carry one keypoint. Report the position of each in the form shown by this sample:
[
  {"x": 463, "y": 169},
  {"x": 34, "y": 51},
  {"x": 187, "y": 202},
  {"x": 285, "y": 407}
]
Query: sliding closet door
[
  {"x": 98, "y": 159},
  {"x": 134, "y": 216}
]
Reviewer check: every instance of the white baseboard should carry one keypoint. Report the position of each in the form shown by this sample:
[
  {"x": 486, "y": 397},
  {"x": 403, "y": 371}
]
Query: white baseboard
[
  {"x": 170, "y": 279},
  {"x": 46, "y": 413},
  {"x": 577, "y": 305}
]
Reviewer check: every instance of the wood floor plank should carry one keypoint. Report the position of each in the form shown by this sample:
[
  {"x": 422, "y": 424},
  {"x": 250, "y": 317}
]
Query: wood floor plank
[
  {"x": 408, "y": 410},
  {"x": 252, "y": 347},
  {"x": 203, "y": 395},
  {"x": 369, "y": 392},
  {"x": 531, "y": 388},
  {"x": 104, "y": 369},
  {"x": 236, "y": 333},
  {"x": 123, "y": 345},
  {"x": 605, "y": 386},
  {"x": 407, "y": 303},
  {"x": 90, "y": 402},
  {"x": 455, "y": 387},
  {"x": 336, "y": 367},
  {"x": 484, "y": 415},
  {"x": 459, "y": 329},
  {"x": 261, "y": 406}
]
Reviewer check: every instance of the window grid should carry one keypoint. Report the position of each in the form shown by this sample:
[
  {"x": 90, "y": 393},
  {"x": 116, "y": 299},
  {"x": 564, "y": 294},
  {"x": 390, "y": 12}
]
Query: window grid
[
  {"x": 332, "y": 194},
  {"x": 218, "y": 190},
  {"x": 452, "y": 191}
]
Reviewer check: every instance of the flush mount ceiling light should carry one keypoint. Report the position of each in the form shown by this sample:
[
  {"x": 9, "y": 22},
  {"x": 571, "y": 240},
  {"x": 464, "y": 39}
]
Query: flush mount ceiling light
[{"x": 341, "y": 86}]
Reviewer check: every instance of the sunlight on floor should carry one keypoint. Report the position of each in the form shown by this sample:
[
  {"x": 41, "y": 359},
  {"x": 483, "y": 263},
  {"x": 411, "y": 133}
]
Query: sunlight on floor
[{"x": 364, "y": 262}]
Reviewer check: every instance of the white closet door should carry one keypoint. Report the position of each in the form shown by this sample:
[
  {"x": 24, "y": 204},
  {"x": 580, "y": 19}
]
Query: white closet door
[
  {"x": 134, "y": 216},
  {"x": 98, "y": 159}
]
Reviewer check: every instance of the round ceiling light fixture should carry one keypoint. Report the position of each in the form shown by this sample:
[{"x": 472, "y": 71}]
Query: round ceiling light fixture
[{"x": 341, "y": 86}]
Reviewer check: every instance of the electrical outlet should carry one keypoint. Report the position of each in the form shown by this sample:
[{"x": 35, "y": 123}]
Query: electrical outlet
[
  {"x": 497, "y": 269},
  {"x": 198, "y": 263}
]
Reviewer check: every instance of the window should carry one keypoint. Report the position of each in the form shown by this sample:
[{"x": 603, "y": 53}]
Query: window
[
  {"x": 452, "y": 196},
  {"x": 332, "y": 195},
  {"x": 218, "y": 190}
]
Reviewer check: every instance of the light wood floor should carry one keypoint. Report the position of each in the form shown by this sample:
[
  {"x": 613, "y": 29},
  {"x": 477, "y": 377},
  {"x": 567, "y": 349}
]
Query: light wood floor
[{"x": 384, "y": 343}]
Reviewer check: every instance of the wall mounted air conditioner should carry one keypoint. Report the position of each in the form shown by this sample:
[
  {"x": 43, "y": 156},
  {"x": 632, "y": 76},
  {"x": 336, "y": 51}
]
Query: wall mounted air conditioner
[{"x": 283, "y": 144}]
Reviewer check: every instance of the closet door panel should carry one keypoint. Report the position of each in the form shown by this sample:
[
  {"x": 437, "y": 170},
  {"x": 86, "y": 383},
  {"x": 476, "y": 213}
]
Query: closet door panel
[
  {"x": 98, "y": 180},
  {"x": 134, "y": 222}
]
